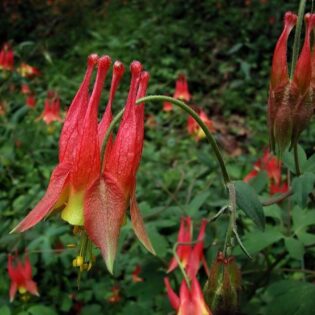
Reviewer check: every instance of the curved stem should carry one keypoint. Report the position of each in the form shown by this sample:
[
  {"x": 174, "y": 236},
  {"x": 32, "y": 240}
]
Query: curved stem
[{"x": 203, "y": 126}]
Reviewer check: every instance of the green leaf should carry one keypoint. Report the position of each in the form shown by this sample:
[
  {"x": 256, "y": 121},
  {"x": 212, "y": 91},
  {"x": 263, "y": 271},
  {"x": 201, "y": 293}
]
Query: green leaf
[
  {"x": 4, "y": 310},
  {"x": 288, "y": 159},
  {"x": 197, "y": 202},
  {"x": 302, "y": 186},
  {"x": 302, "y": 218},
  {"x": 295, "y": 247},
  {"x": 256, "y": 241},
  {"x": 310, "y": 164},
  {"x": 306, "y": 238},
  {"x": 289, "y": 297},
  {"x": 41, "y": 310},
  {"x": 247, "y": 200}
]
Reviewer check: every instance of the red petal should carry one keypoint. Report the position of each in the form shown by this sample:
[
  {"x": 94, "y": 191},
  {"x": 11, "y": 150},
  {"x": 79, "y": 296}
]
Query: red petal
[
  {"x": 173, "y": 297},
  {"x": 138, "y": 224},
  {"x": 104, "y": 212},
  {"x": 303, "y": 70},
  {"x": 57, "y": 183},
  {"x": 183, "y": 251},
  {"x": 31, "y": 287},
  {"x": 123, "y": 158},
  {"x": 279, "y": 72},
  {"x": 87, "y": 159},
  {"x": 72, "y": 126},
  {"x": 197, "y": 252},
  {"x": 13, "y": 289}
]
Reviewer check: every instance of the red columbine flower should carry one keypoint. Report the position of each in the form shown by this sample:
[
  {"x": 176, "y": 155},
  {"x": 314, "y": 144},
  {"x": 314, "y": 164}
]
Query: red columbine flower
[
  {"x": 135, "y": 274},
  {"x": 167, "y": 106},
  {"x": 51, "y": 108},
  {"x": 190, "y": 256},
  {"x": 190, "y": 300},
  {"x": 27, "y": 71},
  {"x": 115, "y": 296},
  {"x": 194, "y": 129},
  {"x": 182, "y": 251},
  {"x": 290, "y": 104},
  {"x": 21, "y": 277},
  {"x": 30, "y": 100},
  {"x": 6, "y": 58},
  {"x": 272, "y": 166},
  {"x": 181, "y": 89},
  {"x": 25, "y": 89},
  {"x": 91, "y": 198}
]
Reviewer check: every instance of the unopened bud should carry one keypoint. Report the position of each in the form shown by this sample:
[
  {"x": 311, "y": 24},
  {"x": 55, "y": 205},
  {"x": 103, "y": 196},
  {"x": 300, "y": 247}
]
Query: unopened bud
[{"x": 222, "y": 288}]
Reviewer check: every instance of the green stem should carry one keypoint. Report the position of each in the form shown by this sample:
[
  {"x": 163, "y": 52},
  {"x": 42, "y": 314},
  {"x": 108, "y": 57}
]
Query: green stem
[
  {"x": 297, "y": 37},
  {"x": 296, "y": 160},
  {"x": 203, "y": 126}
]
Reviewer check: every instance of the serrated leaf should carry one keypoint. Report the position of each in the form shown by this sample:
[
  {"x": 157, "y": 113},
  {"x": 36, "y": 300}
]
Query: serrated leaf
[
  {"x": 247, "y": 200},
  {"x": 291, "y": 297},
  {"x": 302, "y": 218},
  {"x": 295, "y": 247},
  {"x": 302, "y": 186}
]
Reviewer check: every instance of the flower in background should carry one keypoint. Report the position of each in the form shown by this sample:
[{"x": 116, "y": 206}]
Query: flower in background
[
  {"x": 193, "y": 127},
  {"x": 272, "y": 166},
  {"x": 135, "y": 274},
  {"x": 30, "y": 100},
  {"x": 181, "y": 89},
  {"x": 190, "y": 300},
  {"x": 51, "y": 108},
  {"x": 27, "y": 71},
  {"x": 6, "y": 58},
  {"x": 115, "y": 296},
  {"x": 182, "y": 251},
  {"x": 91, "y": 195},
  {"x": 20, "y": 274},
  {"x": 25, "y": 89},
  {"x": 167, "y": 106},
  {"x": 2, "y": 108}
]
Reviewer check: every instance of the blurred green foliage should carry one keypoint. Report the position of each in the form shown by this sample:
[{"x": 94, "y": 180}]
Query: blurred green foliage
[{"x": 225, "y": 49}]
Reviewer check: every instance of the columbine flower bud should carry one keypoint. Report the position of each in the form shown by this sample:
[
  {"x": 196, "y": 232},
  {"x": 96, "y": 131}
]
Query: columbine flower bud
[
  {"x": 290, "y": 104},
  {"x": 221, "y": 289}
]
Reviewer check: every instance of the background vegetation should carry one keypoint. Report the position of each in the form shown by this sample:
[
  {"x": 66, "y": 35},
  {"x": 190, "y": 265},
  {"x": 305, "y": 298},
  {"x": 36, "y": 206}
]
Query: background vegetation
[{"x": 225, "y": 49}]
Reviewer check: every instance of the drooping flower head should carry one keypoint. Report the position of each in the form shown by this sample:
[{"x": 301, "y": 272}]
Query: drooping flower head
[
  {"x": 6, "y": 58},
  {"x": 290, "y": 104},
  {"x": 167, "y": 107},
  {"x": 190, "y": 300},
  {"x": 21, "y": 277},
  {"x": 193, "y": 127},
  {"x": 51, "y": 108},
  {"x": 91, "y": 195},
  {"x": 181, "y": 89}
]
